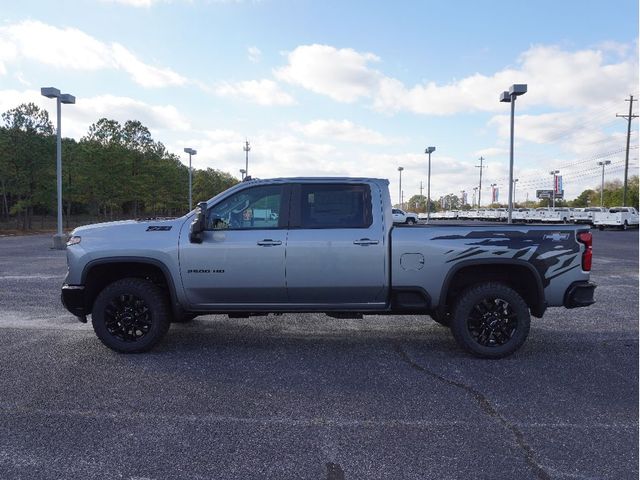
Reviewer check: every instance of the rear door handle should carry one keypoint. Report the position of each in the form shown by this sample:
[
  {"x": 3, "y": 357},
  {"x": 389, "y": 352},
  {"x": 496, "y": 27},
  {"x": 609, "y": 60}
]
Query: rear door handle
[
  {"x": 267, "y": 242},
  {"x": 365, "y": 242}
]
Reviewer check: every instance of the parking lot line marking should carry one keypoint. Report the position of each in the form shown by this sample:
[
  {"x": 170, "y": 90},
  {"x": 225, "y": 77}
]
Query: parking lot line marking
[{"x": 30, "y": 277}]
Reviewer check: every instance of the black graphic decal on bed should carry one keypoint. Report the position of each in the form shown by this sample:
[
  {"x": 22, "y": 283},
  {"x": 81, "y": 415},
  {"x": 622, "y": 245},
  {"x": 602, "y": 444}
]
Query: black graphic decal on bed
[{"x": 550, "y": 254}]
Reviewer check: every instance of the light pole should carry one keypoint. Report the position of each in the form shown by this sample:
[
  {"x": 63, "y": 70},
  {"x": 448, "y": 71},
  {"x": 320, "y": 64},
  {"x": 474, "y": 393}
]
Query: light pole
[
  {"x": 553, "y": 190},
  {"x": 246, "y": 149},
  {"x": 400, "y": 169},
  {"x": 190, "y": 151},
  {"x": 515, "y": 180},
  {"x": 602, "y": 164},
  {"x": 59, "y": 242},
  {"x": 510, "y": 97},
  {"x": 429, "y": 151},
  {"x": 242, "y": 172}
]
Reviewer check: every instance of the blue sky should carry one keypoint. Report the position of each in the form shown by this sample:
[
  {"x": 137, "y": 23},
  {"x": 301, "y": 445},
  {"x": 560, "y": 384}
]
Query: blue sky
[{"x": 343, "y": 88}]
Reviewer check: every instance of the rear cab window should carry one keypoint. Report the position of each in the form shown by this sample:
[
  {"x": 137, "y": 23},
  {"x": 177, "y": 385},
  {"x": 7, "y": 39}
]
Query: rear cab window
[{"x": 332, "y": 205}]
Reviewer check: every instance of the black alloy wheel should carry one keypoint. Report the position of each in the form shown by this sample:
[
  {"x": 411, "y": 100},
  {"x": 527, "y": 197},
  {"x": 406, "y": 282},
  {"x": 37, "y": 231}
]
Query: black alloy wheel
[
  {"x": 490, "y": 320},
  {"x": 130, "y": 315},
  {"x": 127, "y": 317}
]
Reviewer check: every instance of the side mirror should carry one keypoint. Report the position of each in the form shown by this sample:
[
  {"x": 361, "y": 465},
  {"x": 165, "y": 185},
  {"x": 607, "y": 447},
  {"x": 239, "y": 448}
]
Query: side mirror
[{"x": 198, "y": 223}]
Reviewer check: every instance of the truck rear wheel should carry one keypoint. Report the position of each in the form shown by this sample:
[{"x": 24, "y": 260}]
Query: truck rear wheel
[
  {"x": 130, "y": 315},
  {"x": 490, "y": 320}
]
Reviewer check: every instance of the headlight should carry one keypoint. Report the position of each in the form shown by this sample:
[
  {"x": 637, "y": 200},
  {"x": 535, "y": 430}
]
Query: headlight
[{"x": 74, "y": 240}]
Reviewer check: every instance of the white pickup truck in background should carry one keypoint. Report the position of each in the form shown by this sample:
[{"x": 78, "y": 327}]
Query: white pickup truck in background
[
  {"x": 619, "y": 217},
  {"x": 556, "y": 215},
  {"x": 400, "y": 216},
  {"x": 585, "y": 215}
]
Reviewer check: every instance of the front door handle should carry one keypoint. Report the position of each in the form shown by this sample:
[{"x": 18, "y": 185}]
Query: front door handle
[
  {"x": 365, "y": 242},
  {"x": 267, "y": 242}
]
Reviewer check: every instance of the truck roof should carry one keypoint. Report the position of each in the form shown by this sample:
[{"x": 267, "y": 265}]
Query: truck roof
[{"x": 318, "y": 179}]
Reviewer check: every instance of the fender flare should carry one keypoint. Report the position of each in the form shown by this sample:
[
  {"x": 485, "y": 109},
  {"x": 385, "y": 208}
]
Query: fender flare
[
  {"x": 537, "y": 310},
  {"x": 175, "y": 304}
]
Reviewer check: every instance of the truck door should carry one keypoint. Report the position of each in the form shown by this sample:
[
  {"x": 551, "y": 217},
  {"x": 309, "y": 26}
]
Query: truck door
[
  {"x": 336, "y": 248},
  {"x": 241, "y": 257}
]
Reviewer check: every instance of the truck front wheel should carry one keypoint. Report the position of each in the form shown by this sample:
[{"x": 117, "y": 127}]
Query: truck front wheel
[
  {"x": 490, "y": 320},
  {"x": 130, "y": 315}
]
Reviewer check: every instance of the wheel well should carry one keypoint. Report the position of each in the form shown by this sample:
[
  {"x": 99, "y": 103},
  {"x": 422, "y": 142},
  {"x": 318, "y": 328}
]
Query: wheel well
[
  {"x": 518, "y": 277},
  {"x": 99, "y": 276}
]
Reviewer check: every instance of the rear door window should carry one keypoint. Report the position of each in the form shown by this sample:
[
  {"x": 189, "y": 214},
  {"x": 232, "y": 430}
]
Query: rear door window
[{"x": 335, "y": 206}]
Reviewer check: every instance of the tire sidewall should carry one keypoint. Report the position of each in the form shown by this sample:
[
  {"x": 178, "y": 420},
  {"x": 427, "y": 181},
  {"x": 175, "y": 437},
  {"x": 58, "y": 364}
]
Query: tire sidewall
[
  {"x": 154, "y": 300},
  {"x": 469, "y": 299}
]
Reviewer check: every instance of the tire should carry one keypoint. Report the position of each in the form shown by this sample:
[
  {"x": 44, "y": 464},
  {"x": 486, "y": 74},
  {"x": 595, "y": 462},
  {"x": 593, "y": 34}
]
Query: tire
[
  {"x": 490, "y": 320},
  {"x": 625, "y": 225},
  {"x": 130, "y": 315},
  {"x": 411, "y": 221},
  {"x": 601, "y": 227}
]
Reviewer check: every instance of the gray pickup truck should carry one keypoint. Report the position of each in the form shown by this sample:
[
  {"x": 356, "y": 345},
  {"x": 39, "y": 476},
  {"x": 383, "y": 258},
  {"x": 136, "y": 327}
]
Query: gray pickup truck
[{"x": 321, "y": 245}]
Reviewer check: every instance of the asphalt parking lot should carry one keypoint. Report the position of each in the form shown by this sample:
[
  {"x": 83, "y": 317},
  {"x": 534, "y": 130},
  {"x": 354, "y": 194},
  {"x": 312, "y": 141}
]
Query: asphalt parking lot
[{"x": 310, "y": 397}]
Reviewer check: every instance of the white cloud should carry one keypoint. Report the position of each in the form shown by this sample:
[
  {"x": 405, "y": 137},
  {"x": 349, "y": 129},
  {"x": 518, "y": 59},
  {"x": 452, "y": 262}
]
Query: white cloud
[
  {"x": 342, "y": 74},
  {"x": 262, "y": 92},
  {"x": 254, "y": 54},
  {"x": 70, "y": 48},
  {"x": 77, "y": 118},
  {"x": 343, "y": 130},
  {"x": 143, "y": 74},
  {"x": 556, "y": 77}
]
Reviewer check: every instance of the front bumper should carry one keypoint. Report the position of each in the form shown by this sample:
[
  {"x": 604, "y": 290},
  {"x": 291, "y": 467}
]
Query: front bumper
[
  {"x": 74, "y": 299},
  {"x": 580, "y": 294}
]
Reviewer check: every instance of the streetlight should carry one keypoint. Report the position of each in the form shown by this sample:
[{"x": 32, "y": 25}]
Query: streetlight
[
  {"x": 242, "y": 172},
  {"x": 429, "y": 151},
  {"x": 606, "y": 162},
  {"x": 553, "y": 190},
  {"x": 400, "y": 169},
  {"x": 59, "y": 242},
  {"x": 246, "y": 149},
  {"x": 190, "y": 151},
  {"x": 515, "y": 180},
  {"x": 510, "y": 97}
]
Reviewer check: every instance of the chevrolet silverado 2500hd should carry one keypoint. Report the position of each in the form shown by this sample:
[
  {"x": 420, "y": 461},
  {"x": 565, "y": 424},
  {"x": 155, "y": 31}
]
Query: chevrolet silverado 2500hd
[{"x": 328, "y": 245}]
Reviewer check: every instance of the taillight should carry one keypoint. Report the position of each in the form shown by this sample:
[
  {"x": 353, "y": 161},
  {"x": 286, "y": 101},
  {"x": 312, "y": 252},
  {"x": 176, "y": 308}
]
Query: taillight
[{"x": 587, "y": 256}]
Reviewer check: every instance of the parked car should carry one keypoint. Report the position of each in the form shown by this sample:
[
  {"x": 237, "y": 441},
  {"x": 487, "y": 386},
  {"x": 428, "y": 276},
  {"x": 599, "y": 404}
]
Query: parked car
[
  {"x": 619, "y": 217},
  {"x": 556, "y": 215},
  {"x": 400, "y": 216},
  {"x": 585, "y": 215},
  {"x": 333, "y": 249}
]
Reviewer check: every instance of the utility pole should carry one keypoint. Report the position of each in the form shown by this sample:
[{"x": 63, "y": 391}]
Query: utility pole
[
  {"x": 420, "y": 187},
  {"x": 629, "y": 117},
  {"x": 480, "y": 186},
  {"x": 246, "y": 149}
]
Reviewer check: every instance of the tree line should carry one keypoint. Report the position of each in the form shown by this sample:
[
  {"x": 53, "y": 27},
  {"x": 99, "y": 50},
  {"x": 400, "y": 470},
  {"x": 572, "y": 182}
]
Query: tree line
[{"x": 115, "y": 171}]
